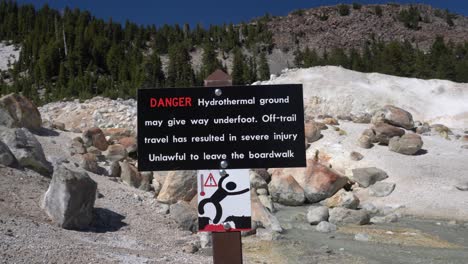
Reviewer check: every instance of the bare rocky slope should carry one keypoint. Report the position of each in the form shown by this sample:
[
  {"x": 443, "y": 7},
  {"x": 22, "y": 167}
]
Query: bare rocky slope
[{"x": 308, "y": 28}]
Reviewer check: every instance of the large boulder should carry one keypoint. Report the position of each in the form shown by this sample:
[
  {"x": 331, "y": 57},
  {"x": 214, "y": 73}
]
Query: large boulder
[
  {"x": 408, "y": 144},
  {"x": 6, "y": 157},
  {"x": 394, "y": 116},
  {"x": 18, "y": 111},
  {"x": 318, "y": 181},
  {"x": 312, "y": 131},
  {"x": 178, "y": 186},
  {"x": 263, "y": 216},
  {"x": 95, "y": 137},
  {"x": 384, "y": 132},
  {"x": 27, "y": 149},
  {"x": 368, "y": 176},
  {"x": 340, "y": 215},
  {"x": 284, "y": 189},
  {"x": 69, "y": 201}
]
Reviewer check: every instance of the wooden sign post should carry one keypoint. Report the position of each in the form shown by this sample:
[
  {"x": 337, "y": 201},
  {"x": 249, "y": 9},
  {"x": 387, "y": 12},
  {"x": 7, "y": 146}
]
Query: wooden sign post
[{"x": 227, "y": 246}]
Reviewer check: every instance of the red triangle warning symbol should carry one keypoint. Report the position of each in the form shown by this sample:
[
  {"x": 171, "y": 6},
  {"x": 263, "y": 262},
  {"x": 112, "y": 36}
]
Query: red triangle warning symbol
[{"x": 210, "y": 181}]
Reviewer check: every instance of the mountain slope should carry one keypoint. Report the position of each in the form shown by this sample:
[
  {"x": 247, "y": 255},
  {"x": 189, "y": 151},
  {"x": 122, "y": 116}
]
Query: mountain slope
[{"x": 324, "y": 28}]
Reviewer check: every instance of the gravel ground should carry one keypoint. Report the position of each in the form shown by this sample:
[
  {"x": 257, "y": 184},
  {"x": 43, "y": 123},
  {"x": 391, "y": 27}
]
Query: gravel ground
[{"x": 128, "y": 226}]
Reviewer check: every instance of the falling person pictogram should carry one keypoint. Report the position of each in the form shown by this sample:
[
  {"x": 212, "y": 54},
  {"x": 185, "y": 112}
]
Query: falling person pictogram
[{"x": 218, "y": 196}]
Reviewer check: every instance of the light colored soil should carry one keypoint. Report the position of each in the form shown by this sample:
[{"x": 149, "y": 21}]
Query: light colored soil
[{"x": 425, "y": 184}]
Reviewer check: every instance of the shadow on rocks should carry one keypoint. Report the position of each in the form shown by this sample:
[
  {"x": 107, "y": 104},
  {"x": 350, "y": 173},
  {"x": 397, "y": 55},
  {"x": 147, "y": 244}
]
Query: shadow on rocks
[
  {"x": 106, "y": 220},
  {"x": 421, "y": 152},
  {"x": 45, "y": 132}
]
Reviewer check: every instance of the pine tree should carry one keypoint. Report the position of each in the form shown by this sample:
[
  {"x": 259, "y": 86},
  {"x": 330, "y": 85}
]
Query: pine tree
[
  {"x": 210, "y": 61},
  {"x": 263, "y": 67},
  {"x": 238, "y": 65},
  {"x": 180, "y": 72},
  {"x": 154, "y": 75}
]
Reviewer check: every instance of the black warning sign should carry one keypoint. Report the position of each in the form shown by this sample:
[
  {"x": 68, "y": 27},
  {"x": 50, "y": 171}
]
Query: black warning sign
[{"x": 196, "y": 128}]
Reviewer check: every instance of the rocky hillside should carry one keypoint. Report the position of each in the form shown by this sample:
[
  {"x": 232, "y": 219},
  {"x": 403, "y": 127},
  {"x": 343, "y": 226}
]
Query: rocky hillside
[{"x": 325, "y": 28}]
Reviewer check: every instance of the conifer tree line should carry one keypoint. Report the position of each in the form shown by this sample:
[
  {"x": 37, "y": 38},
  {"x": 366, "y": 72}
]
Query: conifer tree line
[
  {"x": 442, "y": 61},
  {"x": 72, "y": 54}
]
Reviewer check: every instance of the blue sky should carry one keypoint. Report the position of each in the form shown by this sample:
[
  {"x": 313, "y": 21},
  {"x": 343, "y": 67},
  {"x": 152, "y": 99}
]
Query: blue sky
[{"x": 209, "y": 11}]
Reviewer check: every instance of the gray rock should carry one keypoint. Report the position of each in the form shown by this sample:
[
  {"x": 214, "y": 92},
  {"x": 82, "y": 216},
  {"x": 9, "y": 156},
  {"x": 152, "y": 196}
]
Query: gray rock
[
  {"x": 317, "y": 214},
  {"x": 384, "y": 132},
  {"x": 146, "y": 180},
  {"x": 462, "y": 186},
  {"x": 267, "y": 234},
  {"x": 340, "y": 215},
  {"x": 464, "y": 147},
  {"x": 190, "y": 248},
  {"x": 312, "y": 131},
  {"x": 263, "y": 216},
  {"x": 424, "y": 128},
  {"x": 115, "y": 170},
  {"x": 6, "y": 157},
  {"x": 325, "y": 227},
  {"x": 26, "y": 149},
  {"x": 362, "y": 237},
  {"x": 365, "y": 142},
  {"x": 205, "y": 239},
  {"x": 185, "y": 215},
  {"x": 408, "y": 144},
  {"x": 267, "y": 202},
  {"x": 394, "y": 116},
  {"x": 263, "y": 173},
  {"x": 343, "y": 199},
  {"x": 17, "y": 111},
  {"x": 368, "y": 176},
  {"x": 390, "y": 218},
  {"x": 77, "y": 146},
  {"x": 356, "y": 156},
  {"x": 256, "y": 181},
  {"x": 58, "y": 125},
  {"x": 132, "y": 177},
  {"x": 361, "y": 118},
  {"x": 285, "y": 190},
  {"x": 116, "y": 152},
  {"x": 381, "y": 189},
  {"x": 178, "y": 185},
  {"x": 156, "y": 186},
  {"x": 89, "y": 163},
  {"x": 163, "y": 208},
  {"x": 69, "y": 201},
  {"x": 262, "y": 191},
  {"x": 370, "y": 208}
]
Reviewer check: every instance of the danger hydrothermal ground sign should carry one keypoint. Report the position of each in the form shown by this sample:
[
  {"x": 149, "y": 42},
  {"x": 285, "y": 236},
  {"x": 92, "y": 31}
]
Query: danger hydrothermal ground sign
[
  {"x": 224, "y": 199},
  {"x": 196, "y": 128}
]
